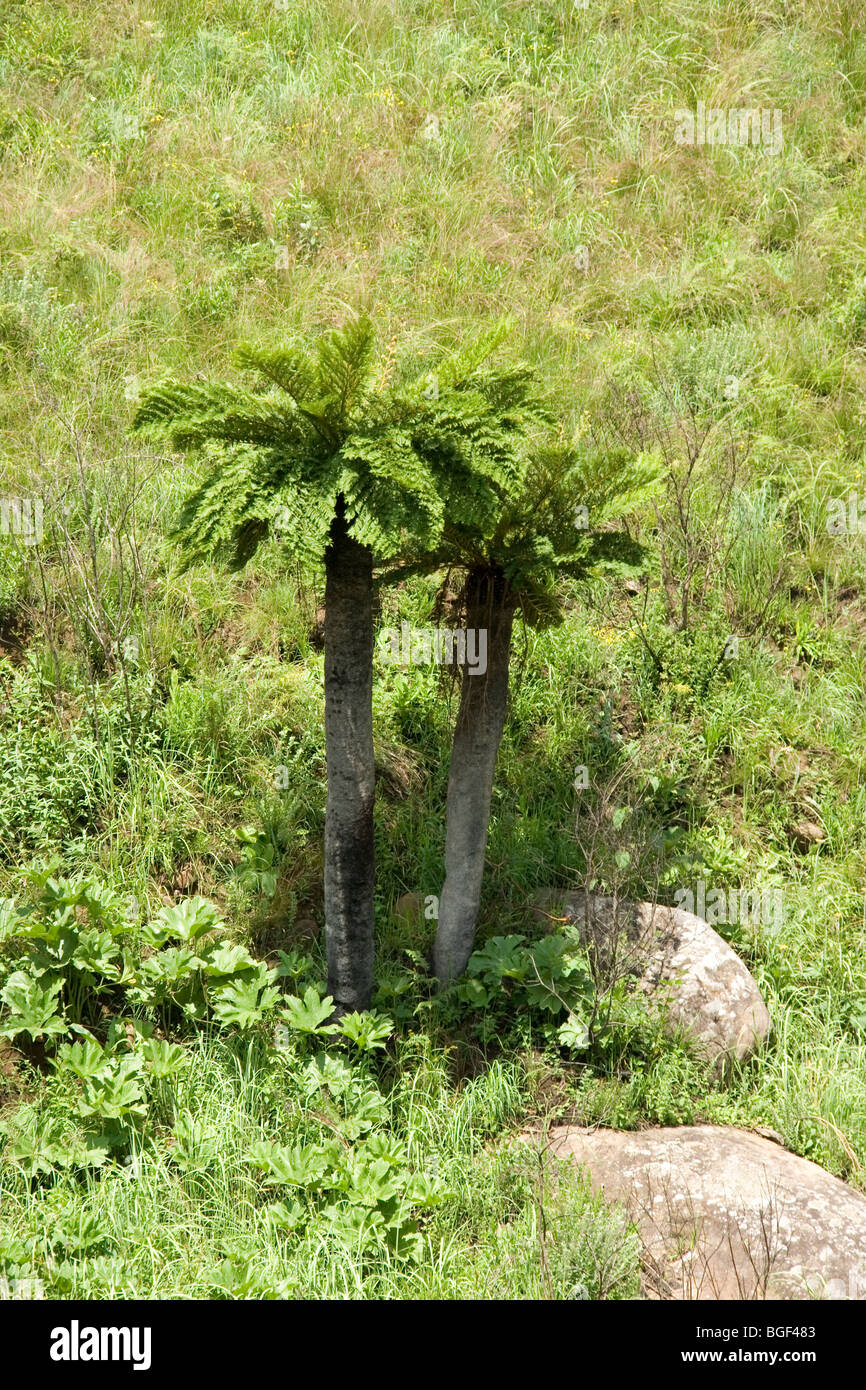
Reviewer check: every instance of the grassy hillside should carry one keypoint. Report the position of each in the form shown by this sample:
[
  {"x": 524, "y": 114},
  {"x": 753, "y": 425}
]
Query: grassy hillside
[{"x": 176, "y": 179}]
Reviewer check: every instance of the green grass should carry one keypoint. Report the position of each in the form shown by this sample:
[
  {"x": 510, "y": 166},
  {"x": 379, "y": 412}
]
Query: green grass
[
  {"x": 190, "y": 1218},
  {"x": 175, "y": 179}
]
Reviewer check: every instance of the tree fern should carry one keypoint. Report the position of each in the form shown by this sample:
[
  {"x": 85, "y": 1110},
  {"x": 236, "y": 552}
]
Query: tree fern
[
  {"x": 347, "y": 478},
  {"x": 517, "y": 565}
]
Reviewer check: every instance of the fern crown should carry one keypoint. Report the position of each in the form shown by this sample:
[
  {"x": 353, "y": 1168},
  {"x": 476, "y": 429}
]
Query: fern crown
[{"x": 314, "y": 435}]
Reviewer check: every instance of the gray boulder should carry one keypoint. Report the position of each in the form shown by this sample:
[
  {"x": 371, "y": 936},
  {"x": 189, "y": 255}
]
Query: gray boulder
[
  {"x": 725, "y": 1214},
  {"x": 678, "y": 959}
]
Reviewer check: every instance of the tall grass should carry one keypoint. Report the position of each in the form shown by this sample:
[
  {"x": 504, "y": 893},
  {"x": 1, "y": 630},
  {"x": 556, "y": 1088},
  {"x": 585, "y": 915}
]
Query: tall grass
[{"x": 176, "y": 178}]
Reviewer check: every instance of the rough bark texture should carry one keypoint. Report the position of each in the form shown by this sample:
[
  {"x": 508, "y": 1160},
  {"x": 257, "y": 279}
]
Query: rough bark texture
[
  {"x": 477, "y": 736},
  {"x": 349, "y": 854}
]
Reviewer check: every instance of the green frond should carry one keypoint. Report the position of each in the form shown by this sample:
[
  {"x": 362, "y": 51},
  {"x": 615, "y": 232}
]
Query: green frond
[
  {"x": 191, "y": 415},
  {"x": 245, "y": 542},
  {"x": 387, "y": 480},
  {"x": 459, "y": 366},
  {"x": 303, "y": 513},
  {"x": 539, "y": 605},
  {"x": 536, "y": 537},
  {"x": 512, "y": 393},
  {"x": 219, "y": 518},
  {"x": 316, "y": 414},
  {"x": 470, "y": 445},
  {"x": 421, "y": 474},
  {"x": 169, "y": 400},
  {"x": 614, "y": 553},
  {"x": 248, "y": 494},
  {"x": 344, "y": 356},
  {"x": 290, "y": 368},
  {"x": 614, "y": 485}
]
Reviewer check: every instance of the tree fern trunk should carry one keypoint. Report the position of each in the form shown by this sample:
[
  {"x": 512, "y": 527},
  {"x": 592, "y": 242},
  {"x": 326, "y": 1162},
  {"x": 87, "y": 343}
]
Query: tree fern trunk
[
  {"x": 477, "y": 736},
  {"x": 349, "y": 854}
]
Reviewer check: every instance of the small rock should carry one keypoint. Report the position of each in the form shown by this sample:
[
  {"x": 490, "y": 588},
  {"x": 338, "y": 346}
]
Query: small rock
[
  {"x": 409, "y": 907},
  {"x": 767, "y": 1133},
  {"x": 806, "y": 834}
]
